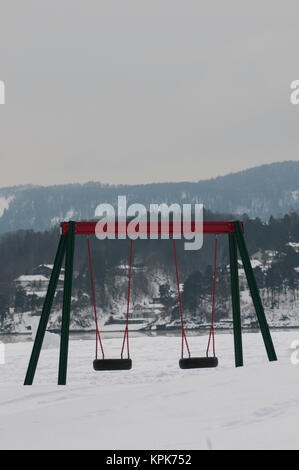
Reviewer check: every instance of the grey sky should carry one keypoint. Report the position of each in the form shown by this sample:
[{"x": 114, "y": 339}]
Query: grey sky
[{"x": 147, "y": 90}]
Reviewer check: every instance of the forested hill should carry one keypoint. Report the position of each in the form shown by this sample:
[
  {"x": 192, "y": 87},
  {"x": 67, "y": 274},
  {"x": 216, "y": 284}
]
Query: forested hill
[
  {"x": 258, "y": 192},
  {"x": 274, "y": 247}
]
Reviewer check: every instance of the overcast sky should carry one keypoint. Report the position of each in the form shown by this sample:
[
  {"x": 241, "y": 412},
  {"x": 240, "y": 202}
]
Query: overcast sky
[{"x": 136, "y": 91}]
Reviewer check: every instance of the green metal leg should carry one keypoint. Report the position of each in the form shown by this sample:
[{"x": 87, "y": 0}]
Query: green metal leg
[
  {"x": 236, "y": 300},
  {"x": 65, "y": 326},
  {"x": 255, "y": 293},
  {"x": 45, "y": 313}
]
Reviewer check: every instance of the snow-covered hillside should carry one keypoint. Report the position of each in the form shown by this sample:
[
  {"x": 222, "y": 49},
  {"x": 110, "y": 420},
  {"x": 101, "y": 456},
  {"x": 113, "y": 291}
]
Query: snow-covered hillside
[
  {"x": 281, "y": 308},
  {"x": 274, "y": 255},
  {"x": 156, "y": 405}
]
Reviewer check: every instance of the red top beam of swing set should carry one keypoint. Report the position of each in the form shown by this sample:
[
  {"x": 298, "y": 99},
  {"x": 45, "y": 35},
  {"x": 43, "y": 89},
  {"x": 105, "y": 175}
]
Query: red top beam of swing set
[{"x": 216, "y": 228}]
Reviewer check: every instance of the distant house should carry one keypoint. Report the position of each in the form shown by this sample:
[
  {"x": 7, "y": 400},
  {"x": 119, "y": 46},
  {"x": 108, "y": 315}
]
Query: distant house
[
  {"x": 32, "y": 281},
  {"x": 146, "y": 312},
  {"x": 38, "y": 279}
]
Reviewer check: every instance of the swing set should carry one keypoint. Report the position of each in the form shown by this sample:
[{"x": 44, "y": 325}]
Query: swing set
[{"x": 66, "y": 247}]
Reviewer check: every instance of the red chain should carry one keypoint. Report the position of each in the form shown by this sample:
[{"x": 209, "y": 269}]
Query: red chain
[
  {"x": 184, "y": 337},
  {"x": 98, "y": 336},
  {"x": 212, "y": 332},
  {"x": 126, "y": 335}
]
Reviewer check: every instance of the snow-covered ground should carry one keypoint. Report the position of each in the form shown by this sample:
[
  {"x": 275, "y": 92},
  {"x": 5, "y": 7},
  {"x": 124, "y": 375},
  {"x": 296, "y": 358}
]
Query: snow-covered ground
[{"x": 156, "y": 405}]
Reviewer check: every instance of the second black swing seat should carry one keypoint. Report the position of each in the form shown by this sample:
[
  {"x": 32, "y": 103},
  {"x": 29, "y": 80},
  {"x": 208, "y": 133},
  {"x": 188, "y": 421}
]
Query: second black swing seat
[
  {"x": 198, "y": 362},
  {"x": 112, "y": 364}
]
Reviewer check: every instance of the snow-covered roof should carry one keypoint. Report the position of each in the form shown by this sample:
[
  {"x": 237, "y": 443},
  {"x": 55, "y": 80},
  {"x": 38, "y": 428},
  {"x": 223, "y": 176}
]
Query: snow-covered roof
[
  {"x": 48, "y": 266},
  {"x": 32, "y": 278},
  {"x": 255, "y": 263}
]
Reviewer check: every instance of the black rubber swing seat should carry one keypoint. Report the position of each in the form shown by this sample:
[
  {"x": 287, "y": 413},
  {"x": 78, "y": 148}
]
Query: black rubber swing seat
[
  {"x": 112, "y": 364},
  {"x": 198, "y": 362}
]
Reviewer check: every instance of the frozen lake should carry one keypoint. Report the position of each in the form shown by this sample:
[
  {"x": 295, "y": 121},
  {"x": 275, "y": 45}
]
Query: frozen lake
[{"x": 155, "y": 405}]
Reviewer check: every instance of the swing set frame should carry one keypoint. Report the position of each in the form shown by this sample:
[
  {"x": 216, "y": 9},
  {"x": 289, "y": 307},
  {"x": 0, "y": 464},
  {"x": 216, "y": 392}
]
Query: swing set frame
[{"x": 66, "y": 248}]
